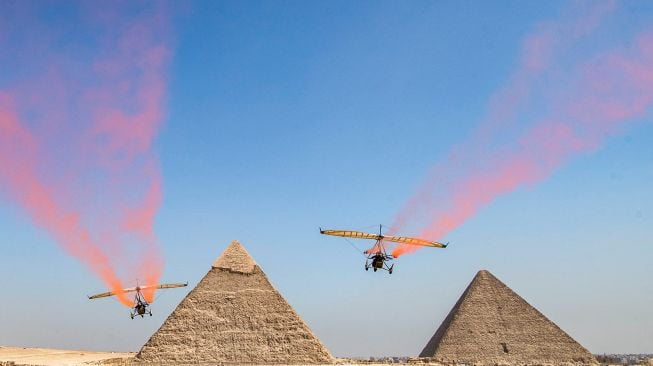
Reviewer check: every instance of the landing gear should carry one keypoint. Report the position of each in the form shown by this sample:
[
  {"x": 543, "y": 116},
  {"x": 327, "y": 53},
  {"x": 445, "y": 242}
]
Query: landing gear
[
  {"x": 378, "y": 261},
  {"x": 378, "y": 258},
  {"x": 132, "y": 315}
]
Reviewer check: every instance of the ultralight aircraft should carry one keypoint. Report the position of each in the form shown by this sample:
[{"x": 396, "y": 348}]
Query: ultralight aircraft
[
  {"x": 377, "y": 256},
  {"x": 140, "y": 305}
]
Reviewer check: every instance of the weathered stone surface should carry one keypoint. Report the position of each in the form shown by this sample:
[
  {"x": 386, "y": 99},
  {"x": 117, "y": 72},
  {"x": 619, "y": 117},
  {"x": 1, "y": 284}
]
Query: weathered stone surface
[
  {"x": 492, "y": 325},
  {"x": 234, "y": 316}
]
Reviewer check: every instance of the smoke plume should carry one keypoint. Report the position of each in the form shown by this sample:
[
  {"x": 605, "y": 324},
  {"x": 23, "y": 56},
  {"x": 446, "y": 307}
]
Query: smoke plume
[
  {"x": 570, "y": 91},
  {"x": 82, "y": 93}
]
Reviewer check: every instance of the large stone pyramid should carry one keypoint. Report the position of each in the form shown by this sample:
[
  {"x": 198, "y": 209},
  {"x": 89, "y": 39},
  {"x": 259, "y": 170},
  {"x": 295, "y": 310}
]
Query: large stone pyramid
[
  {"x": 490, "y": 324},
  {"x": 234, "y": 316}
]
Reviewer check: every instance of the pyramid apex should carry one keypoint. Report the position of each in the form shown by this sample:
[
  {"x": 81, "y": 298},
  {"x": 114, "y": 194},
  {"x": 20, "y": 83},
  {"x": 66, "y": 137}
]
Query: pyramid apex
[
  {"x": 235, "y": 259},
  {"x": 485, "y": 277},
  {"x": 483, "y": 272}
]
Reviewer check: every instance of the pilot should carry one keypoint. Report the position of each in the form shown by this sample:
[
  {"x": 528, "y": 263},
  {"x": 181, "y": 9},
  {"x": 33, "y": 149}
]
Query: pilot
[{"x": 377, "y": 262}]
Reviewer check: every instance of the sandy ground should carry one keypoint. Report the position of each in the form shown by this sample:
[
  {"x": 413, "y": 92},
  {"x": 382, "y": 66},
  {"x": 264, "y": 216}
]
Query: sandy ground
[
  {"x": 48, "y": 357},
  {"x": 19, "y": 356},
  {"x": 23, "y": 356}
]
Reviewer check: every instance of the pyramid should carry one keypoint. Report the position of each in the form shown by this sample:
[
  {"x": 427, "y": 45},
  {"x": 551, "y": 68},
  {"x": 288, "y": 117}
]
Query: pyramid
[
  {"x": 234, "y": 316},
  {"x": 490, "y": 324}
]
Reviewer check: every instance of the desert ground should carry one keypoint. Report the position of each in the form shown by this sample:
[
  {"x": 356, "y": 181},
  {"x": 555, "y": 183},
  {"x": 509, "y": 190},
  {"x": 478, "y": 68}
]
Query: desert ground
[
  {"x": 48, "y": 357},
  {"x": 23, "y": 356}
]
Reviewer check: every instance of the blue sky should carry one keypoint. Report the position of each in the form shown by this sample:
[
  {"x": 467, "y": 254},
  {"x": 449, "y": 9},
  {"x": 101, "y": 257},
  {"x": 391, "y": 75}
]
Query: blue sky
[{"x": 287, "y": 116}]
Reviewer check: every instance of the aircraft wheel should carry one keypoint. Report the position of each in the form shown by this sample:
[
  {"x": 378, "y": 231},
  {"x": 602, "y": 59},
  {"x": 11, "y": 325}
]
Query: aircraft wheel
[
  {"x": 374, "y": 269},
  {"x": 367, "y": 268},
  {"x": 150, "y": 314},
  {"x": 390, "y": 270}
]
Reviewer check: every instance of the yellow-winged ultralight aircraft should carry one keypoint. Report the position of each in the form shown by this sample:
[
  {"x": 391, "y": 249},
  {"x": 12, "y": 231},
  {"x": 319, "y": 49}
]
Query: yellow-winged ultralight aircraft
[
  {"x": 140, "y": 306},
  {"x": 377, "y": 256}
]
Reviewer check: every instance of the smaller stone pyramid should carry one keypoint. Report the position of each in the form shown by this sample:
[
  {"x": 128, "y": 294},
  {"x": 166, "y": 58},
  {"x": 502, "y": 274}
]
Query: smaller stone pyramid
[
  {"x": 490, "y": 324},
  {"x": 234, "y": 316}
]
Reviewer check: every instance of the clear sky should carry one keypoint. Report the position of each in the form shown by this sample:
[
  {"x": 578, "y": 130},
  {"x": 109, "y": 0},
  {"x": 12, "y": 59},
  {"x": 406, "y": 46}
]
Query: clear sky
[{"x": 282, "y": 117}]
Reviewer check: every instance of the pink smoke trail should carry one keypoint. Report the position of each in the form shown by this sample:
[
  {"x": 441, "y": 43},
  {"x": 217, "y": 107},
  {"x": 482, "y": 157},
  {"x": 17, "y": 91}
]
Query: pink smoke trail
[
  {"x": 78, "y": 118},
  {"x": 602, "y": 97},
  {"x": 539, "y": 53}
]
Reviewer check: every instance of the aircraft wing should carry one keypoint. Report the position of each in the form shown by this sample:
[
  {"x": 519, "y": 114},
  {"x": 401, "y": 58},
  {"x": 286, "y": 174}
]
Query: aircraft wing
[
  {"x": 395, "y": 239},
  {"x": 133, "y": 289},
  {"x": 351, "y": 234},
  {"x": 165, "y": 285},
  {"x": 414, "y": 241},
  {"x": 111, "y": 293}
]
